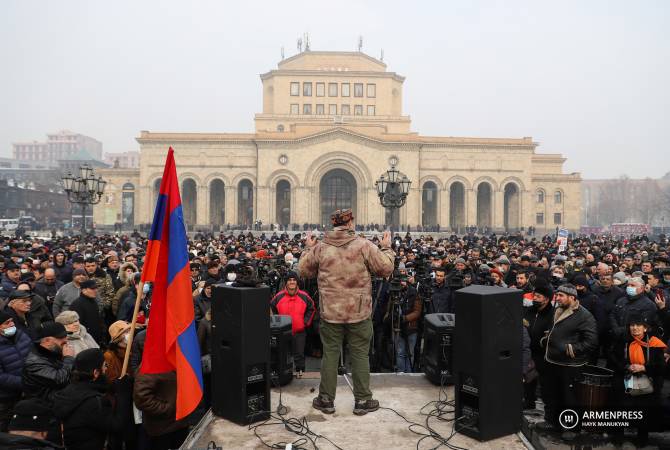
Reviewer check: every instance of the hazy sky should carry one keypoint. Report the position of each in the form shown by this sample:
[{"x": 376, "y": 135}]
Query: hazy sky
[{"x": 589, "y": 79}]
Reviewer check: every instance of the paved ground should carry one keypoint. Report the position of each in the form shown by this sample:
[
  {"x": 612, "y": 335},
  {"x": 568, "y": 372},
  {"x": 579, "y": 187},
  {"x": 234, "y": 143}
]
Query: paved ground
[{"x": 382, "y": 429}]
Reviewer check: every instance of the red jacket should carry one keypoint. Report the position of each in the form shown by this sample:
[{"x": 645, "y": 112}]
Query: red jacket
[{"x": 299, "y": 306}]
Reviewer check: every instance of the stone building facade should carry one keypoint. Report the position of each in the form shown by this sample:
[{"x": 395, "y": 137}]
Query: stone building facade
[{"x": 332, "y": 123}]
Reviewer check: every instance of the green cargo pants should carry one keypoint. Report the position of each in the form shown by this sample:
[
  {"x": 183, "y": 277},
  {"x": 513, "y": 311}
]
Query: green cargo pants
[{"x": 358, "y": 337}]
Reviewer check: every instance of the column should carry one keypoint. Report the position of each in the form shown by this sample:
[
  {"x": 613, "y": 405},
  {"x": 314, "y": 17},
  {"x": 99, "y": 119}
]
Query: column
[
  {"x": 498, "y": 210},
  {"x": 443, "y": 218}
]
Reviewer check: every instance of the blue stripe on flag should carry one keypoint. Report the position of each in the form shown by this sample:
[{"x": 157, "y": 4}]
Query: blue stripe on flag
[
  {"x": 188, "y": 344},
  {"x": 178, "y": 255},
  {"x": 159, "y": 218}
]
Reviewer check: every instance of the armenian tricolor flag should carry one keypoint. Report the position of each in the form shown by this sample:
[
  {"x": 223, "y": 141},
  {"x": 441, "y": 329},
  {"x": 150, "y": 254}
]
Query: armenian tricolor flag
[{"x": 171, "y": 342}]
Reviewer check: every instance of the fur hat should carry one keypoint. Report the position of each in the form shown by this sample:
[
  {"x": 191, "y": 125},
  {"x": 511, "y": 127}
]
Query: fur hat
[{"x": 341, "y": 217}]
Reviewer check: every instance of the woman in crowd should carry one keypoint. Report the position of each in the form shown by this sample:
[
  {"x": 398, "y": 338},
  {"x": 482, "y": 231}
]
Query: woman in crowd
[{"x": 77, "y": 336}]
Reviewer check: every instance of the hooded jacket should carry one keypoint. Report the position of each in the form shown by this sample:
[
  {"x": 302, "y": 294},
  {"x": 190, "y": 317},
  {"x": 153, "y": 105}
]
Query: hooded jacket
[
  {"x": 343, "y": 264},
  {"x": 89, "y": 316},
  {"x": 105, "y": 287},
  {"x": 125, "y": 286},
  {"x": 87, "y": 416}
]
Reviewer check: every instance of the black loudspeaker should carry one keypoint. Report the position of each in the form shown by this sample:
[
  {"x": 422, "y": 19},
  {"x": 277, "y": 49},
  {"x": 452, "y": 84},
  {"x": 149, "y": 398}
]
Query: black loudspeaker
[
  {"x": 241, "y": 353},
  {"x": 487, "y": 361},
  {"x": 438, "y": 333},
  {"x": 281, "y": 350}
]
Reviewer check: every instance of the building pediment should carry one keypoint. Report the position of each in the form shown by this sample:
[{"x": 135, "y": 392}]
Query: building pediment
[
  {"x": 332, "y": 61},
  {"x": 338, "y": 133}
]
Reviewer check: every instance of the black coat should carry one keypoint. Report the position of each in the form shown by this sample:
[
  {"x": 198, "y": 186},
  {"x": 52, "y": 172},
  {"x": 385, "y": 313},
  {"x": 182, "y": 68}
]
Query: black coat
[
  {"x": 624, "y": 307},
  {"x": 13, "y": 352},
  {"x": 606, "y": 301},
  {"x": 87, "y": 415},
  {"x": 64, "y": 272},
  {"x": 573, "y": 337},
  {"x": 45, "y": 372},
  {"x": 89, "y": 316},
  {"x": 538, "y": 322},
  {"x": 441, "y": 301}
]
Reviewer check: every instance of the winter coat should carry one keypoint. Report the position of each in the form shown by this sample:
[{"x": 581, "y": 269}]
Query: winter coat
[
  {"x": 64, "y": 298},
  {"x": 18, "y": 442},
  {"x": 441, "y": 301},
  {"x": 64, "y": 272},
  {"x": 202, "y": 305},
  {"x": 299, "y": 306},
  {"x": 156, "y": 396},
  {"x": 627, "y": 306},
  {"x": 87, "y": 415},
  {"x": 81, "y": 341},
  {"x": 48, "y": 292},
  {"x": 606, "y": 301},
  {"x": 7, "y": 284},
  {"x": 343, "y": 264},
  {"x": 13, "y": 352},
  {"x": 45, "y": 372},
  {"x": 136, "y": 350},
  {"x": 205, "y": 335},
  {"x": 538, "y": 322},
  {"x": 39, "y": 311},
  {"x": 572, "y": 338},
  {"x": 89, "y": 316},
  {"x": 122, "y": 291}
]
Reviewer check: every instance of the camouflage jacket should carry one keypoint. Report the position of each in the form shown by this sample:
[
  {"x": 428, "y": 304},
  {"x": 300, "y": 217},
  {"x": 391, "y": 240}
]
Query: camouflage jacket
[
  {"x": 343, "y": 264},
  {"x": 105, "y": 288}
]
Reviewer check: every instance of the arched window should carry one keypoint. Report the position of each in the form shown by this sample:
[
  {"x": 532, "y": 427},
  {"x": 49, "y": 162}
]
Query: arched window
[
  {"x": 189, "y": 202},
  {"x": 245, "y": 203},
  {"x": 429, "y": 204},
  {"x": 128, "y": 187},
  {"x": 338, "y": 191},
  {"x": 558, "y": 197},
  {"x": 540, "y": 196},
  {"x": 283, "y": 202},
  {"x": 217, "y": 202}
]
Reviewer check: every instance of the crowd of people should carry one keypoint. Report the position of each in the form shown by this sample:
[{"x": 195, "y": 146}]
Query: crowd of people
[{"x": 66, "y": 306}]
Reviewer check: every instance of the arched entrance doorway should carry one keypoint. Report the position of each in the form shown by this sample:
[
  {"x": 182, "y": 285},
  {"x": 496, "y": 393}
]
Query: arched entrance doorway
[
  {"x": 457, "y": 206},
  {"x": 511, "y": 207},
  {"x": 337, "y": 191},
  {"x": 245, "y": 203},
  {"x": 429, "y": 204},
  {"x": 283, "y": 203},
  {"x": 217, "y": 203},
  {"x": 189, "y": 201},
  {"x": 484, "y": 205}
]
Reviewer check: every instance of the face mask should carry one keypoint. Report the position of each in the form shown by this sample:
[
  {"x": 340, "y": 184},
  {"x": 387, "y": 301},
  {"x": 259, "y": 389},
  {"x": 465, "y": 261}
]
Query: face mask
[
  {"x": 231, "y": 276},
  {"x": 25, "y": 270},
  {"x": 146, "y": 288},
  {"x": 557, "y": 275},
  {"x": 9, "y": 332},
  {"x": 528, "y": 302},
  {"x": 631, "y": 291}
]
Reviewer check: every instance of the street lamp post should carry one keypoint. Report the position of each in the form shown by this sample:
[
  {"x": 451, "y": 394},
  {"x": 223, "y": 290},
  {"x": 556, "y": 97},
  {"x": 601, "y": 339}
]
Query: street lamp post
[
  {"x": 392, "y": 188},
  {"x": 84, "y": 190}
]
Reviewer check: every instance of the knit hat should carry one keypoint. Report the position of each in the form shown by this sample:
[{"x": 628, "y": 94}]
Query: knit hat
[
  {"x": 117, "y": 329},
  {"x": 79, "y": 272},
  {"x": 67, "y": 317},
  {"x": 636, "y": 318},
  {"x": 459, "y": 261},
  {"x": 88, "y": 360},
  {"x": 543, "y": 288},
  {"x": 568, "y": 289},
  {"x": 293, "y": 275},
  {"x": 497, "y": 272},
  {"x": 31, "y": 415}
]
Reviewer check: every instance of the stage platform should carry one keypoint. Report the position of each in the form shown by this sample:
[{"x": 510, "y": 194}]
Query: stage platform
[{"x": 383, "y": 429}]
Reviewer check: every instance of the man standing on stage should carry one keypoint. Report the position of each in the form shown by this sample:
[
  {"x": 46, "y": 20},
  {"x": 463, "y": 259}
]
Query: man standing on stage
[{"x": 343, "y": 264}]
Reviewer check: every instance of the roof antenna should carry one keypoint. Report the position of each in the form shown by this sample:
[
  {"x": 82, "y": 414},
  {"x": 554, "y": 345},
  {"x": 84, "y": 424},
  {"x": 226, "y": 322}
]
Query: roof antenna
[
  {"x": 306, "y": 42},
  {"x": 299, "y": 45},
  {"x": 282, "y": 53},
  {"x": 381, "y": 58},
  {"x": 360, "y": 43}
]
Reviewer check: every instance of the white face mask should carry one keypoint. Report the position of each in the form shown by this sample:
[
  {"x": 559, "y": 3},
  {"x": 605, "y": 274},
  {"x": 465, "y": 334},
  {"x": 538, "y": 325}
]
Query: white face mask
[
  {"x": 231, "y": 276},
  {"x": 9, "y": 332},
  {"x": 25, "y": 270},
  {"x": 146, "y": 288},
  {"x": 527, "y": 302}
]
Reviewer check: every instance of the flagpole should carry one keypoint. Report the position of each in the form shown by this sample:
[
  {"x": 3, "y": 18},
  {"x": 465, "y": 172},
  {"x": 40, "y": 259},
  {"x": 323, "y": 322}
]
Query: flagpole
[{"x": 131, "y": 335}]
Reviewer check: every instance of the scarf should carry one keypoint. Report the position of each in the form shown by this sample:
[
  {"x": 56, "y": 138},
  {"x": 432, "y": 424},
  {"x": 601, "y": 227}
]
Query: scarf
[{"x": 635, "y": 353}]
